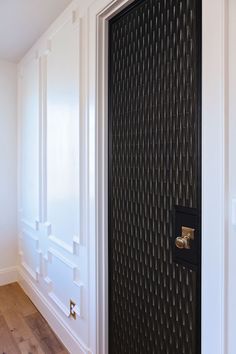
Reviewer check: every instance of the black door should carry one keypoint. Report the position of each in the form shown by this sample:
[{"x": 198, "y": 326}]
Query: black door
[{"x": 155, "y": 178}]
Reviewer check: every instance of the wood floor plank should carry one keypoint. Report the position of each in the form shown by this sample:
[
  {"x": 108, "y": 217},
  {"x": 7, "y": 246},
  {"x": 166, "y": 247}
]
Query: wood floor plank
[
  {"x": 6, "y": 299},
  {"x": 47, "y": 339},
  {"x": 25, "y": 306},
  {"x": 7, "y": 342},
  {"x": 23, "y": 330},
  {"x": 13, "y": 296},
  {"x": 29, "y": 346}
]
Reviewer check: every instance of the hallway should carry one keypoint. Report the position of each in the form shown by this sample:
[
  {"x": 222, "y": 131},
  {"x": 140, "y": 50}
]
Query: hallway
[{"x": 118, "y": 176}]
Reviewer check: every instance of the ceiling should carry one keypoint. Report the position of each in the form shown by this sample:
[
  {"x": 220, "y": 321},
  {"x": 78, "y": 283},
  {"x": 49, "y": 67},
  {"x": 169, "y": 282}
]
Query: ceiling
[{"x": 22, "y": 22}]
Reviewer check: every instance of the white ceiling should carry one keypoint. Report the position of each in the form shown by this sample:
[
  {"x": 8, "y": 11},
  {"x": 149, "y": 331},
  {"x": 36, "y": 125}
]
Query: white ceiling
[{"x": 22, "y": 22}]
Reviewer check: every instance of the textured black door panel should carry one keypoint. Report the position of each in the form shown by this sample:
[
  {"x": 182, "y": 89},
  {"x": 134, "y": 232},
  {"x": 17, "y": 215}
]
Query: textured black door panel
[{"x": 154, "y": 166}]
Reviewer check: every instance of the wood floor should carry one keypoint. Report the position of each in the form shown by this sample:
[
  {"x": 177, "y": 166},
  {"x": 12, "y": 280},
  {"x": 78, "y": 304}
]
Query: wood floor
[{"x": 22, "y": 328}]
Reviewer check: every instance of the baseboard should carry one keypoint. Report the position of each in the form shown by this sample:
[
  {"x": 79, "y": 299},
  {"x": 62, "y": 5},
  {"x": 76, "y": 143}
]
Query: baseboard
[
  {"x": 57, "y": 323},
  {"x": 8, "y": 275}
]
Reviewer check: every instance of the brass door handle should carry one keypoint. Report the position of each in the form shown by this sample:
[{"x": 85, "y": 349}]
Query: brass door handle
[{"x": 183, "y": 241}]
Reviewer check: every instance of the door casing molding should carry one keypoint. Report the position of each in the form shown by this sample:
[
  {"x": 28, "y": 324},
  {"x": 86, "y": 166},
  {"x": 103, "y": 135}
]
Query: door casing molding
[{"x": 214, "y": 170}]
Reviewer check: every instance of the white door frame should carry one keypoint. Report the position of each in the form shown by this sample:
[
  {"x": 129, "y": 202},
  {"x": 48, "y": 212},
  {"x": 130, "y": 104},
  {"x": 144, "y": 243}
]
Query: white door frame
[{"x": 214, "y": 171}]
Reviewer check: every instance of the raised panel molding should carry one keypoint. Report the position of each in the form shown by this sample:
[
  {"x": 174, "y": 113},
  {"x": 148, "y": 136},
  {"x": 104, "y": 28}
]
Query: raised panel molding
[
  {"x": 75, "y": 281},
  {"x": 59, "y": 303},
  {"x": 74, "y": 268},
  {"x": 70, "y": 247},
  {"x": 53, "y": 250},
  {"x": 48, "y": 235},
  {"x": 33, "y": 226},
  {"x": 36, "y": 271}
]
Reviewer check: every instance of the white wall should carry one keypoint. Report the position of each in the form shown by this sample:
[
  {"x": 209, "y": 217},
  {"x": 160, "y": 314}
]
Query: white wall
[
  {"x": 52, "y": 175},
  {"x": 8, "y": 193}
]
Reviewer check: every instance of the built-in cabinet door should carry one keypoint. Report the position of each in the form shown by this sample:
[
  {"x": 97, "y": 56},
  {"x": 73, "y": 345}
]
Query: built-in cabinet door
[{"x": 155, "y": 178}]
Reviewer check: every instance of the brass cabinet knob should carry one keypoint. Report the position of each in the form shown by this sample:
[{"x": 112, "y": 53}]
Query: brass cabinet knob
[{"x": 183, "y": 241}]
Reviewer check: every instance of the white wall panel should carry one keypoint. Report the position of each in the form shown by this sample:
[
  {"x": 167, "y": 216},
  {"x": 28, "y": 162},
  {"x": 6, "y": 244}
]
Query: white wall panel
[
  {"x": 52, "y": 132},
  {"x": 63, "y": 134},
  {"x": 30, "y": 254},
  {"x": 29, "y": 159},
  {"x": 61, "y": 270}
]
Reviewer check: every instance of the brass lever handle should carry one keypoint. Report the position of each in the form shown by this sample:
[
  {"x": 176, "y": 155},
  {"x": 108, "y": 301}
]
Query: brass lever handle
[{"x": 183, "y": 241}]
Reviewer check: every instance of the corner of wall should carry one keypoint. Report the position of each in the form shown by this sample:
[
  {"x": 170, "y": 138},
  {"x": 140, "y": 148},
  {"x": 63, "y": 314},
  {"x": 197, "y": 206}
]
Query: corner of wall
[{"x": 8, "y": 275}]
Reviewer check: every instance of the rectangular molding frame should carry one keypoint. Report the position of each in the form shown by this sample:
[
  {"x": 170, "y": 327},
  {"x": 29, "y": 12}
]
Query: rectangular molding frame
[
  {"x": 35, "y": 280},
  {"x": 24, "y": 233},
  {"x": 75, "y": 20}
]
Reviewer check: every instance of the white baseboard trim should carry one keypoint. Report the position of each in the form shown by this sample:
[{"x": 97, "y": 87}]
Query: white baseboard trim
[
  {"x": 57, "y": 323},
  {"x": 8, "y": 275}
]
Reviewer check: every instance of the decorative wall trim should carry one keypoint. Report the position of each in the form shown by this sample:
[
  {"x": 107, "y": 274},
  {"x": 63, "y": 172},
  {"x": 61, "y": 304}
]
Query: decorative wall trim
[
  {"x": 59, "y": 304},
  {"x": 55, "y": 320},
  {"x": 34, "y": 273},
  {"x": 29, "y": 270},
  {"x": 41, "y": 247},
  {"x": 53, "y": 253},
  {"x": 72, "y": 249},
  {"x": 8, "y": 275},
  {"x": 65, "y": 246},
  {"x": 29, "y": 234},
  {"x": 73, "y": 18},
  {"x": 31, "y": 225},
  {"x": 75, "y": 279}
]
